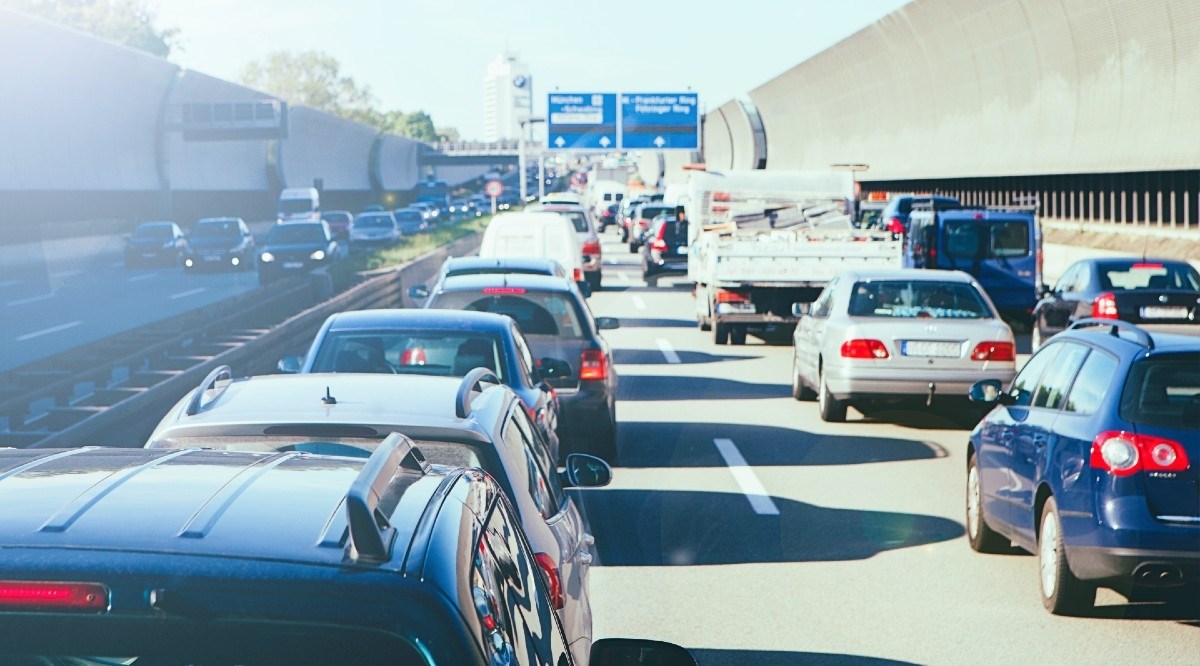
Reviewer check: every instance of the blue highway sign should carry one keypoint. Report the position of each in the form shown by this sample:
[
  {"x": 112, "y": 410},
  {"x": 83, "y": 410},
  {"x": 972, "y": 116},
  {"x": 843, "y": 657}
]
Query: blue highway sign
[
  {"x": 660, "y": 121},
  {"x": 581, "y": 121}
]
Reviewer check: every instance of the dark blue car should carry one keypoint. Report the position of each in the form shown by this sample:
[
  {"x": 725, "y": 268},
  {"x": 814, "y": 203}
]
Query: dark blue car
[{"x": 1090, "y": 460}]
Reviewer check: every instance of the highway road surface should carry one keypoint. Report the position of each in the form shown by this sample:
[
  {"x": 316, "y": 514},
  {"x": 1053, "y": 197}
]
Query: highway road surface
[{"x": 743, "y": 527}]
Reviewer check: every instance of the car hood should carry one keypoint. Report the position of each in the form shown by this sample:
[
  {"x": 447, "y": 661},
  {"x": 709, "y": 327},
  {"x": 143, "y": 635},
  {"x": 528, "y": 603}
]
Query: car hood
[
  {"x": 293, "y": 247},
  {"x": 214, "y": 243},
  {"x": 150, "y": 242}
]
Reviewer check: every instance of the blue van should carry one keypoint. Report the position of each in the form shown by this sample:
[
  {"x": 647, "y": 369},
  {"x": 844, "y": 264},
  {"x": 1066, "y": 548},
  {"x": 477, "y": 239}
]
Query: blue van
[{"x": 1001, "y": 248}]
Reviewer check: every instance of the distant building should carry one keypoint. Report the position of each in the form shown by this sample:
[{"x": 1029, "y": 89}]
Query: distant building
[{"x": 507, "y": 97}]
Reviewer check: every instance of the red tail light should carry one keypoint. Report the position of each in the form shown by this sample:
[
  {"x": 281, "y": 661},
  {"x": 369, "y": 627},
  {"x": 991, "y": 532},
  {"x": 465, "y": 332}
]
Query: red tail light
[
  {"x": 643, "y": 222},
  {"x": 727, "y": 296},
  {"x": 593, "y": 365},
  {"x": 722, "y": 196},
  {"x": 1105, "y": 306},
  {"x": 53, "y": 596},
  {"x": 994, "y": 351},
  {"x": 577, "y": 275},
  {"x": 413, "y": 357},
  {"x": 1141, "y": 265},
  {"x": 895, "y": 225},
  {"x": 861, "y": 348},
  {"x": 553, "y": 579},
  {"x": 658, "y": 245},
  {"x": 591, "y": 247},
  {"x": 504, "y": 290},
  {"x": 1124, "y": 453}
]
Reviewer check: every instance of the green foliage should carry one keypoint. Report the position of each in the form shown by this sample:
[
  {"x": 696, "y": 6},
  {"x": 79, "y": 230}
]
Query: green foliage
[{"x": 128, "y": 22}]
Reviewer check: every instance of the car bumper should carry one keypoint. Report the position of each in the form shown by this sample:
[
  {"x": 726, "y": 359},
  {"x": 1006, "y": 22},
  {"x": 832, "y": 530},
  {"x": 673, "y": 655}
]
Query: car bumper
[
  {"x": 848, "y": 383},
  {"x": 1138, "y": 566},
  {"x": 279, "y": 267},
  {"x": 580, "y": 409}
]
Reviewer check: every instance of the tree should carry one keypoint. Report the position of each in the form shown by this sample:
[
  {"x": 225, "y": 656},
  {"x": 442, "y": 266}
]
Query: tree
[
  {"x": 314, "y": 79},
  {"x": 449, "y": 134},
  {"x": 128, "y": 22}
]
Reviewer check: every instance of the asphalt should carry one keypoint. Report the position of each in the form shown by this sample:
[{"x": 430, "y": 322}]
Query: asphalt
[{"x": 743, "y": 527}]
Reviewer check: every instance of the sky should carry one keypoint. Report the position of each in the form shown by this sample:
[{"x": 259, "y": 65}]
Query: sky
[{"x": 432, "y": 55}]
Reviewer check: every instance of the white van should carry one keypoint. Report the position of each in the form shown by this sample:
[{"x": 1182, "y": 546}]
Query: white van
[
  {"x": 299, "y": 204},
  {"x": 540, "y": 235}
]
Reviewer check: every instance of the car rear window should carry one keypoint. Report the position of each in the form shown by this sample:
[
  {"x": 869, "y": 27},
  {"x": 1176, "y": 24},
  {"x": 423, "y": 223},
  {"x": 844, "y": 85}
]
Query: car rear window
[
  {"x": 153, "y": 231},
  {"x": 1164, "y": 391},
  {"x": 651, "y": 212},
  {"x": 1130, "y": 275},
  {"x": 985, "y": 240},
  {"x": 373, "y": 221},
  {"x": 222, "y": 229},
  {"x": 578, "y": 220},
  {"x": 441, "y": 353},
  {"x": 917, "y": 299},
  {"x": 536, "y": 312}
]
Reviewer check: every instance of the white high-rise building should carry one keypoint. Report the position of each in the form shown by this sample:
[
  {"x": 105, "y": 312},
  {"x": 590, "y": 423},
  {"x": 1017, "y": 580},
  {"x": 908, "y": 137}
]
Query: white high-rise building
[{"x": 507, "y": 97}]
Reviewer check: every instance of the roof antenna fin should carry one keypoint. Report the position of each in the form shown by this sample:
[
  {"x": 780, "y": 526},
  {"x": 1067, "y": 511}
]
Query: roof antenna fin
[{"x": 328, "y": 399}]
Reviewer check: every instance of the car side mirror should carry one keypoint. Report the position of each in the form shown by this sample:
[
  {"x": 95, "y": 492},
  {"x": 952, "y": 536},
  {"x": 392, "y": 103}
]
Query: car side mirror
[
  {"x": 800, "y": 309},
  {"x": 625, "y": 651},
  {"x": 607, "y": 323},
  {"x": 290, "y": 365},
  {"x": 553, "y": 368},
  {"x": 986, "y": 391},
  {"x": 418, "y": 292},
  {"x": 584, "y": 471}
]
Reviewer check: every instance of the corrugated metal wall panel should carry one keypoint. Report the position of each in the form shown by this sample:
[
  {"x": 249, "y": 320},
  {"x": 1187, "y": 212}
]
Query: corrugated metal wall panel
[
  {"x": 217, "y": 165},
  {"x": 320, "y": 145},
  {"x": 399, "y": 168}
]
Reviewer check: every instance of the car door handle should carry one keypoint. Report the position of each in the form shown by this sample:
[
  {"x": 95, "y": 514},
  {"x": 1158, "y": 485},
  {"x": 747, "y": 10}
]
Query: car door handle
[
  {"x": 585, "y": 557},
  {"x": 589, "y": 539}
]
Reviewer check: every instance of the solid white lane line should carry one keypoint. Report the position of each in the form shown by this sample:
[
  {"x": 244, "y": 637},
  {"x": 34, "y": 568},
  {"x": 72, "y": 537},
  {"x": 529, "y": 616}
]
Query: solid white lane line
[
  {"x": 47, "y": 331},
  {"x": 9, "y": 283},
  {"x": 189, "y": 292},
  {"x": 139, "y": 278},
  {"x": 31, "y": 299},
  {"x": 668, "y": 352},
  {"x": 639, "y": 303},
  {"x": 746, "y": 479}
]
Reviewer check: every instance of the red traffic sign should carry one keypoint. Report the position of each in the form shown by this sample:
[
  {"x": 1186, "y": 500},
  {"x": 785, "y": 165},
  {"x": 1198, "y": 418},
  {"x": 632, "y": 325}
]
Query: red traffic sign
[{"x": 494, "y": 188}]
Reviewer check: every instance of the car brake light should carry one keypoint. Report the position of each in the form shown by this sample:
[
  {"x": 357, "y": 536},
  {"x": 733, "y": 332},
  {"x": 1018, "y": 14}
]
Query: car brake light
[
  {"x": 553, "y": 579},
  {"x": 504, "y": 290},
  {"x": 658, "y": 245},
  {"x": 1105, "y": 306},
  {"x": 994, "y": 351},
  {"x": 577, "y": 275},
  {"x": 722, "y": 196},
  {"x": 413, "y": 357},
  {"x": 1124, "y": 453},
  {"x": 593, "y": 365},
  {"x": 1141, "y": 265},
  {"x": 591, "y": 247},
  {"x": 52, "y": 596},
  {"x": 727, "y": 296},
  {"x": 862, "y": 348}
]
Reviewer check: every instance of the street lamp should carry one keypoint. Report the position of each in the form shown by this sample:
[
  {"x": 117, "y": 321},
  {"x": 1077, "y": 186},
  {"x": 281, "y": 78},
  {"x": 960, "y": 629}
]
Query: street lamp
[{"x": 524, "y": 188}]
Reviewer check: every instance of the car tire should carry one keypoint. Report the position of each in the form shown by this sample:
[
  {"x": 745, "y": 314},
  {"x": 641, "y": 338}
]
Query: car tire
[
  {"x": 702, "y": 324},
  {"x": 983, "y": 539},
  {"x": 737, "y": 336},
  {"x": 831, "y": 409},
  {"x": 633, "y": 247},
  {"x": 624, "y": 235},
  {"x": 1062, "y": 592},
  {"x": 604, "y": 444},
  {"x": 651, "y": 281},
  {"x": 720, "y": 334},
  {"x": 800, "y": 390},
  {"x": 593, "y": 280}
]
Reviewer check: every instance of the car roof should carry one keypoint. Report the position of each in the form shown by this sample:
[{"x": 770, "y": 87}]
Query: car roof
[
  {"x": 457, "y": 320},
  {"x": 914, "y": 274},
  {"x": 1101, "y": 261},
  {"x": 213, "y": 220},
  {"x": 524, "y": 219},
  {"x": 283, "y": 507},
  {"x": 551, "y": 266},
  {"x": 480, "y": 281},
  {"x": 1164, "y": 343}
]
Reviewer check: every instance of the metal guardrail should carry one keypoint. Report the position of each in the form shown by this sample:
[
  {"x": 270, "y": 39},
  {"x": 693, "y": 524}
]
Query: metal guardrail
[{"x": 118, "y": 402}]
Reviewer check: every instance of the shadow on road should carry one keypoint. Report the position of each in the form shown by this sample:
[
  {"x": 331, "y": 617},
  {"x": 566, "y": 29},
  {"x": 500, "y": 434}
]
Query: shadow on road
[
  {"x": 665, "y": 387},
  {"x": 656, "y": 444},
  {"x": 707, "y": 657},
  {"x": 635, "y": 322},
  {"x": 655, "y": 357},
  {"x": 685, "y": 528},
  {"x": 946, "y": 415}
]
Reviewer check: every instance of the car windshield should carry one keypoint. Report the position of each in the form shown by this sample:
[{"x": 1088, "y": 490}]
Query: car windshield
[
  {"x": 1163, "y": 391},
  {"x": 651, "y": 212},
  {"x": 917, "y": 299},
  {"x": 1132, "y": 275},
  {"x": 153, "y": 231},
  {"x": 293, "y": 206},
  {"x": 408, "y": 216},
  {"x": 446, "y": 353},
  {"x": 217, "y": 229},
  {"x": 284, "y": 234},
  {"x": 336, "y": 217},
  {"x": 373, "y": 221},
  {"x": 537, "y": 313}
]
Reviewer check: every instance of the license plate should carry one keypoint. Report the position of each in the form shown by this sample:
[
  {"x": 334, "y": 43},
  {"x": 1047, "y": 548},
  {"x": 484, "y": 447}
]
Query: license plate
[
  {"x": 293, "y": 264},
  {"x": 683, "y": 249},
  {"x": 1156, "y": 312},
  {"x": 212, "y": 258},
  {"x": 931, "y": 349}
]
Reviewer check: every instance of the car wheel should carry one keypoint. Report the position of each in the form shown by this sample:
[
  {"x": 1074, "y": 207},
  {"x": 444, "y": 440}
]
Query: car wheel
[
  {"x": 624, "y": 235},
  {"x": 800, "y": 390},
  {"x": 604, "y": 444},
  {"x": 831, "y": 409},
  {"x": 651, "y": 281},
  {"x": 1062, "y": 592},
  {"x": 593, "y": 280},
  {"x": 737, "y": 336},
  {"x": 720, "y": 334},
  {"x": 983, "y": 539},
  {"x": 633, "y": 247}
]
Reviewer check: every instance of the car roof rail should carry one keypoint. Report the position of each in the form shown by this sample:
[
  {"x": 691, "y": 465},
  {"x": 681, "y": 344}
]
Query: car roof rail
[
  {"x": 193, "y": 406},
  {"x": 1115, "y": 327},
  {"x": 462, "y": 402},
  {"x": 370, "y": 533}
]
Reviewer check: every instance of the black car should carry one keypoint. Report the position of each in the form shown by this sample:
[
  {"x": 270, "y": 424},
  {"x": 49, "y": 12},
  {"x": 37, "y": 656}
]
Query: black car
[
  {"x": 218, "y": 242},
  {"x": 437, "y": 342},
  {"x": 1140, "y": 291},
  {"x": 270, "y": 558},
  {"x": 608, "y": 216},
  {"x": 666, "y": 249},
  {"x": 155, "y": 243},
  {"x": 296, "y": 247},
  {"x": 556, "y": 321}
]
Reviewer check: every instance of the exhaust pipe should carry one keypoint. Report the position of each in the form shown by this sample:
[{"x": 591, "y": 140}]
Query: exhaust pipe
[
  {"x": 929, "y": 397},
  {"x": 1158, "y": 574}
]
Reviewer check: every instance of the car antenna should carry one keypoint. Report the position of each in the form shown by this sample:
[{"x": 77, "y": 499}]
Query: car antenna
[{"x": 328, "y": 399}]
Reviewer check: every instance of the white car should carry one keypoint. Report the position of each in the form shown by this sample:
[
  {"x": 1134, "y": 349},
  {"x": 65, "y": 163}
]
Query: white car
[
  {"x": 586, "y": 234},
  {"x": 535, "y": 235},
  {"x": 374, "y": 230},
  {"x": 902, "y": 334}
]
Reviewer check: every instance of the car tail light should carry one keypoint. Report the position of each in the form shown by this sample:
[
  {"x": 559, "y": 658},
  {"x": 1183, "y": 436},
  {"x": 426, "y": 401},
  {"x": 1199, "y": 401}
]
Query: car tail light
[
  {"x": 994, "y": 351},
  {"x": 553, "y": 579},
  {"x": 1142, "y": 265},
  {"x": 413, "y": 357},
  {"x": 53, "y": 596},
  {"x": 658, "y": 245},
  {"x": 577, "y": 275},
  {"x": 1105, "y": 306},
  {"x": 1124, "y": 453},
  {"x": 504, "y": 290},
  {"x": 864, "y": 348},
  {"x": 593, "y": 365},
  {"x": 643, "y": 222},
  {"x": 722, "y": 196},
  {"x": 895, "y": 225},
  {"x": 591, "y": 247},
  {"x": 727, "y": 296}
]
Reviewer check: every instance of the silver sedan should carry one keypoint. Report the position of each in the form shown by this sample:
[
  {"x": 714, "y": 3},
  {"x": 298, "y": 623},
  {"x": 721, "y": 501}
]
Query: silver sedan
[{"x": 897, "y": 334}]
